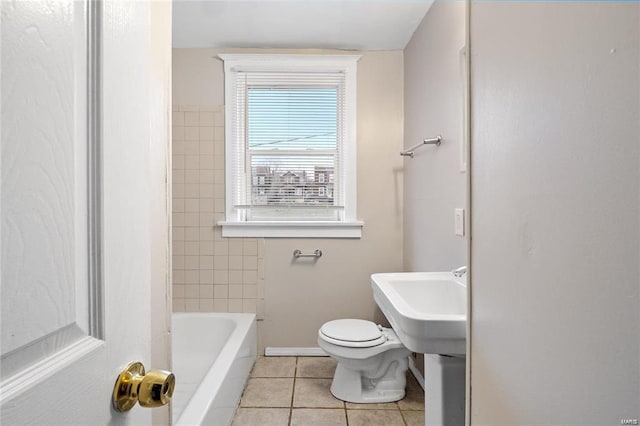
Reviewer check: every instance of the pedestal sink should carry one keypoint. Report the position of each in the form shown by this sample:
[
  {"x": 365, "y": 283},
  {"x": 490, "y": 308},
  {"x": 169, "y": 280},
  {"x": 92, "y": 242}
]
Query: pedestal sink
[{"x": 427, "y": 310}]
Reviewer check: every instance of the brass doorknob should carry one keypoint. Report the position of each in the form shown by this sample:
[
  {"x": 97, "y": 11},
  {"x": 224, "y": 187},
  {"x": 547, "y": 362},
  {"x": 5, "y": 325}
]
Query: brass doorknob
[{"x": 152, "y": 389}]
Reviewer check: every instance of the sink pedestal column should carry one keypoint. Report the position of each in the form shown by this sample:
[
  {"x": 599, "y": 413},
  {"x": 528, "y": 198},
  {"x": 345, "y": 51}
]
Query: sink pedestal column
[{"x": 444, "y": 378}]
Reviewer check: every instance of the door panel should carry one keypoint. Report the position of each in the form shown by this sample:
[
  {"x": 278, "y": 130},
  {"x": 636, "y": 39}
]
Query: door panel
[
  {"x": 76, "y": 229},
  {"x": 45, "y": 210}
]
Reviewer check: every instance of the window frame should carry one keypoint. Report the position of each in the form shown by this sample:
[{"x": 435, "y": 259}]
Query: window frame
[{"x": 349, "y": 226}]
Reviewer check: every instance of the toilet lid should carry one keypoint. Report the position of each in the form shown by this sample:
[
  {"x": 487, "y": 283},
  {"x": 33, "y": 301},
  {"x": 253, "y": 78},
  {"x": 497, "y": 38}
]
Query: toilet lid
[{"x": 352, "y": 333}]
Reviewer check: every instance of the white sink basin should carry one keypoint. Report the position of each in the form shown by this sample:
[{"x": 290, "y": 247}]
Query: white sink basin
[{"x": 427, "y": 310}]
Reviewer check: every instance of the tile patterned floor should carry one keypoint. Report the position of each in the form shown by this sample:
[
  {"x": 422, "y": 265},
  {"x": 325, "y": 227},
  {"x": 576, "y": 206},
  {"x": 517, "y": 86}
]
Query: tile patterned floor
[{"x": 294, "y": 391}]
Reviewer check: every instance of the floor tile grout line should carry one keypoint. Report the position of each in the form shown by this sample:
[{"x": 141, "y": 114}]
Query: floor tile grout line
[
  {"x": 293, "y": 390},
  {"x": 403, "y": 419}
]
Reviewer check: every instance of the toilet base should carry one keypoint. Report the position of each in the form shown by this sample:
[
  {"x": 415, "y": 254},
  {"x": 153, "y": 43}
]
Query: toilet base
[{"x": 351, "y": 386}]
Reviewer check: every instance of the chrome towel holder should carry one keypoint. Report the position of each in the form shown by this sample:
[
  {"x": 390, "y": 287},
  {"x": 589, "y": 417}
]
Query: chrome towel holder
[
  {"x": 430, "y": 141},
  {"x": 298, "y": 254}
]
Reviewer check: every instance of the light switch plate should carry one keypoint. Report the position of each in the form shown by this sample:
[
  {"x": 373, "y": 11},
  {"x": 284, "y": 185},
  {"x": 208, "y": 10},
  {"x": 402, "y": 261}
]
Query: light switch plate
[{"x": 459, "y": 222}]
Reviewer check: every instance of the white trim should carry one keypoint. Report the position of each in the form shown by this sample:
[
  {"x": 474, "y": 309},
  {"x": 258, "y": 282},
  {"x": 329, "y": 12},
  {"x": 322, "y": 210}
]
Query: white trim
[
  {"x": 416, "y": 373},
  {"x": 233, "y": 226},
  {"x": 292, "y": 229},
  {"x": 277, "y": 62},
  {"x": 271, "y": 351}
]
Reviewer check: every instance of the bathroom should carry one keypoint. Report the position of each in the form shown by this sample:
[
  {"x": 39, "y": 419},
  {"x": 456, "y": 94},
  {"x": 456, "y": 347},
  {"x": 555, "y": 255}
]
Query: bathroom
[
  {"x": 539, "y": 161},
  {"x": 293, "y": 297}
]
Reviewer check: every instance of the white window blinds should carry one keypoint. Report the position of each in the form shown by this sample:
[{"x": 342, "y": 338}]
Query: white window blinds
[{"x": 287, "y": 138}]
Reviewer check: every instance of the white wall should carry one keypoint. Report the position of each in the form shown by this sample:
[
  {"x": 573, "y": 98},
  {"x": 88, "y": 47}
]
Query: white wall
[
  {"x": 556, "y": 213},
  {"x": 433, "y": 183}
]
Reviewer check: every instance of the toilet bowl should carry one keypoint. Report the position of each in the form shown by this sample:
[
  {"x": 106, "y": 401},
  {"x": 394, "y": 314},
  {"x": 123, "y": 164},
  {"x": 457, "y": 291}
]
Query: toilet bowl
[{"x": 372, "y": 363}]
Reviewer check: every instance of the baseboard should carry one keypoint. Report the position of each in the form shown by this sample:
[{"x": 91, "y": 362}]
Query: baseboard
[
  {"x": 416, "y": 373},
  {"x": 271, "y": 351}
]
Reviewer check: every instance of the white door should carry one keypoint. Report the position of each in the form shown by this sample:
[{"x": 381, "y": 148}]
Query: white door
[{"x": 78, "y": 271}]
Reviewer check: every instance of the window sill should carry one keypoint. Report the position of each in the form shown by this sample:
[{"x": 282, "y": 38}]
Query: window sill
[{"x": 292, "y": 229}]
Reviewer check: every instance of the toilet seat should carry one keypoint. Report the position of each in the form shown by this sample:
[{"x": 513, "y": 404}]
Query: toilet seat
[{"x": 352, "y": 333}]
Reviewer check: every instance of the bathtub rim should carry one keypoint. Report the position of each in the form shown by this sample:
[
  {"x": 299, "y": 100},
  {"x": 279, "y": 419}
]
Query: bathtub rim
[{"x": 200, "y": 402}]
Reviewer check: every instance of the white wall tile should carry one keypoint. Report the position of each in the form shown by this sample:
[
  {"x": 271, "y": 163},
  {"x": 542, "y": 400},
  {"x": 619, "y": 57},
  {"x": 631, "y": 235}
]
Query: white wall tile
[
  {"x": 178, "y": 276},
  {"x": 191, "y": 291},
  {"x": 192, "y": 205},
  {"x": 177, "y": 205},
  {"x": 206, "y": 262},
  {"x": 235, "y": 291},
  {"x": 178, "y": 262},
  {"x": 235, "y": 277},
  {"x": 206, "y": 176},
  {"x": 191, "y": 118},
  {"x": 206, "y": 291},
  {"x": 206, "y": 205},
  {"x": 206, "y": 118},
  {"x": 191, "y": 277},
  {"x": 178, "y": 133},
  {"x": 249, "y": 306},
  {"x": 192, "y": 262},
  {"x": 192, "y": 248},
  {"x": 178, "y": 247},
  {"x": 220, "y": 291},
  {"x": 192, "y": 219},
  {"x": 206, "y": 305},
  {"x": 178, "y": 190},
  {"x": 221, "y": 263},
  {"x": 191, "y": 162},
  {"x": 206, "y": 219},
  {"x": 177, "y": 176},
  {"x": 206, "y": 233},
  {"x": 221, "y": 305},
  {"x": 250, "y": 263},
  {"x": 206, "y": 133},
  {"x": 220, "y": 276},
  {"x": 177, "y": 162},
  {"x": 177, "y": 233},
  {"x": 177, "y": 147},
  {"x": 192, "y": 134},
  {"x": 211, "y": 273},
  {"x": 248, "y": 277},
  {"x": 249, "y": 291},
  {"x": 207, "y": 162},
  {"x": 179, "y": 305},
  {"x": 206, "y": 148},
  {"x": 235, "y": 263},
  {"x": 207, "y": 248},
  {"x": 191, "y": 190},
  {"x": 177, "y": 118},
  {"x": 178, "y": 291},
  {"x": 206, "y": 277},
  {"x": 192, "y": 305},
  {"x": 235, "y": 305},
  {"x": 191, "y": 147},
  {"x": 191, "y": 234}
]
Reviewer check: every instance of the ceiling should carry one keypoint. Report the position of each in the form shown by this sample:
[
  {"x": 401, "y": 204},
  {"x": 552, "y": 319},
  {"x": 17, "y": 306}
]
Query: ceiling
[{"x": 319, "y": 24}]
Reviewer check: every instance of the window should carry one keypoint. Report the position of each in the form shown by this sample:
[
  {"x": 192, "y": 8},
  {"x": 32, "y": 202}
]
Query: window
[{"x": 290, "y": 146}]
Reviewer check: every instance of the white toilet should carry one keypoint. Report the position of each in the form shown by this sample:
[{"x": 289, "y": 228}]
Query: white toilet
[{"x": 372, "y": 363}]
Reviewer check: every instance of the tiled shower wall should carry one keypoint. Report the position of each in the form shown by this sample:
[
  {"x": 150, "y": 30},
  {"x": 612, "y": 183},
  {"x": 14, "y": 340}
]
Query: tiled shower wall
[{"x": 210, "y": 273}]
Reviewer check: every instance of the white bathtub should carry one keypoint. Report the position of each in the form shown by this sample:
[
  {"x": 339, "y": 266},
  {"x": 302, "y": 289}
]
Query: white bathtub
[{"x": 212, "y": 357}]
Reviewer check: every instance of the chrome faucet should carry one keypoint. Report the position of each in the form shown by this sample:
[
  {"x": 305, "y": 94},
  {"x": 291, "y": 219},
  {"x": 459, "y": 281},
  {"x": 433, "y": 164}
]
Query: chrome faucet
[{"x": 459, "y": 271}]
